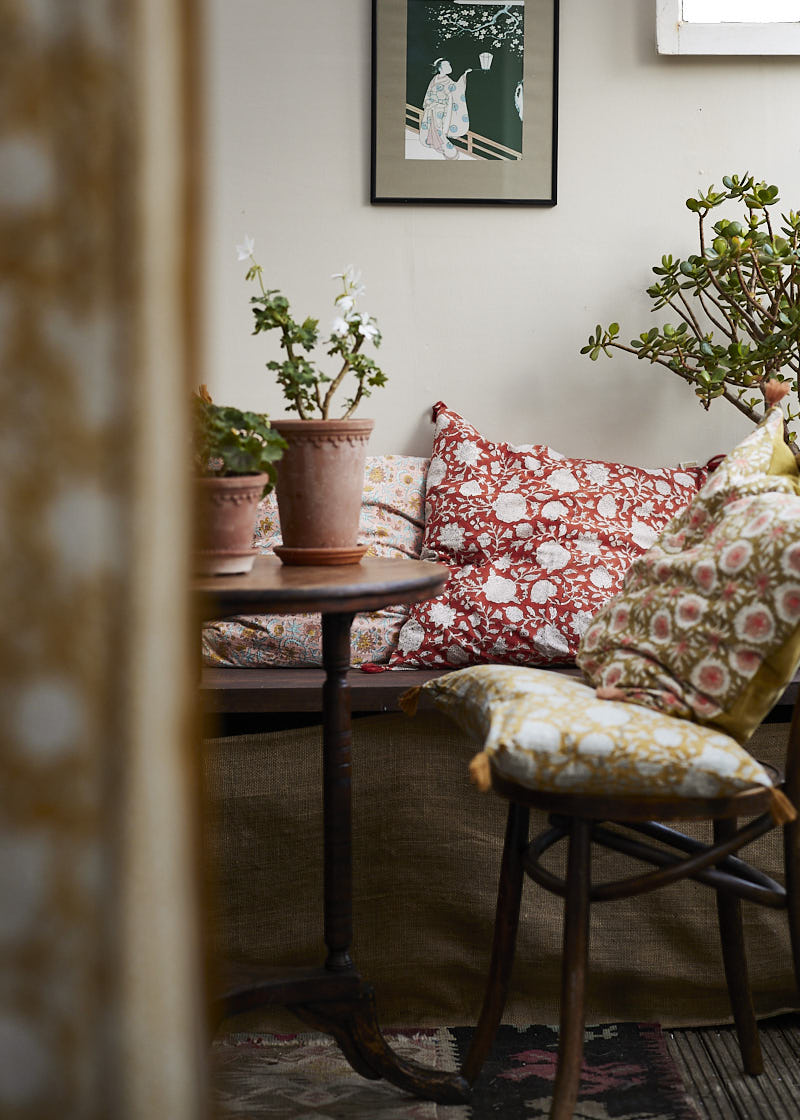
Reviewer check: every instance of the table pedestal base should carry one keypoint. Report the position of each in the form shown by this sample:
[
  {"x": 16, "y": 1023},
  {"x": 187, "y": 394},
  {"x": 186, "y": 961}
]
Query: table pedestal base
[
  {"x": 343, "y": 1005},
  {"x": 353, "y": 1022}
]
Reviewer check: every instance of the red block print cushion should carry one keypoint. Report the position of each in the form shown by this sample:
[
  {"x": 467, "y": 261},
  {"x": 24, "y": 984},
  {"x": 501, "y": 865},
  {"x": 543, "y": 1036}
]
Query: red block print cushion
[{"x": 535, "y": 543}]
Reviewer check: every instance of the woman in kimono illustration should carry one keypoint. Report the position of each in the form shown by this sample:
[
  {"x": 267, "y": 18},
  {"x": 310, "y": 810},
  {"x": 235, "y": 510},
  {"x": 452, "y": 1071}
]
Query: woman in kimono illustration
[{"x": 444, "y": 110}]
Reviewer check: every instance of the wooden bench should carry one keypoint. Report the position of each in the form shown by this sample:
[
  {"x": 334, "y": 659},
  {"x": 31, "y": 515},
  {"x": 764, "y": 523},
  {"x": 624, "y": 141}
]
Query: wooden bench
[{"x": 261, "y": 691}]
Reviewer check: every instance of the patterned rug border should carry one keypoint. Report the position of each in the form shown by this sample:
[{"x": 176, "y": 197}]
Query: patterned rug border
[{"x": 629, "y": 1074}]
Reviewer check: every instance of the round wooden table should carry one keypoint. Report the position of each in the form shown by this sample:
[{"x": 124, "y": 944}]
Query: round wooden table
[{"x": 334, "y": 997}]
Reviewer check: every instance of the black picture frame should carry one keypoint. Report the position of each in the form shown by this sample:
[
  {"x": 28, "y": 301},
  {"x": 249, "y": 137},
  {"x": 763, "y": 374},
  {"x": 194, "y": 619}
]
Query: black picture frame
[{"x": 508, "y": 153}]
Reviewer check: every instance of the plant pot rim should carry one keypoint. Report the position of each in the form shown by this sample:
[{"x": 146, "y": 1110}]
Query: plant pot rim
[
  {"x": 294, "y": 423},
  {"x": 230, "y": 479}
]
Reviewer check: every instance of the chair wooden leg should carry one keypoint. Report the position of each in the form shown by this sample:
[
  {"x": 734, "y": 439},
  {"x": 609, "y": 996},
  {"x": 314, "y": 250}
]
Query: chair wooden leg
[
  {"x": 509, "y": 895},
  {"x": 791, "y": 847},
  {"x": 573, "y": 972},
  {"x": 731, "y": 932}
]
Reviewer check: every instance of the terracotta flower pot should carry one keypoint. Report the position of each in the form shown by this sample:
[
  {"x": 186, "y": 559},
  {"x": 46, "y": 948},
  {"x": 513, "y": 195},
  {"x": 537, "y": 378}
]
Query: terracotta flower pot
[
  {"x": 227, "y": 508},
  {"x": 319, "y": 487}
]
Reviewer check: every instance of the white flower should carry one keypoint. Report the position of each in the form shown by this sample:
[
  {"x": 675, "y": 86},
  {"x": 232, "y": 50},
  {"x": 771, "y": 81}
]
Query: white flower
[
  {"x": 497, "y": 589},
  {"x": 550, "y": 641},
  {"x": 352, "y": 280},
  {"x": 340, "y": 326},
  {"x": 598, "y": 473},
  {"x": 411, "y": 636},
  {"x": 553, "y": 510},
  {"x": 246, "y": 249},
  {"x": 441, "y": 615},
  {"x": 468, "y": 452},
  {"x": 542, "y": 590},
  {"x": 345, "y": 302},
  {"x": 451, "y": 535},
  {"x": 436, "y": 472},
  {"x": 601, "y": 577},
  {"x": 368, "y": 329},
  {"x": 643, "y": 534},
  {"x": 580, "y": 622},
  {"x": 588, "y": 545},
  {"x": 564, "y": 481},
  {"x": 510, "y": 506},
  {"x": 551, "y": 556}
]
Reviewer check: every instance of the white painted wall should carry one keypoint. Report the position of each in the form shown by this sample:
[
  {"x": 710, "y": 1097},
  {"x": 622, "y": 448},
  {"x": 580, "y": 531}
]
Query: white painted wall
[{"x": 485, "y": 308}]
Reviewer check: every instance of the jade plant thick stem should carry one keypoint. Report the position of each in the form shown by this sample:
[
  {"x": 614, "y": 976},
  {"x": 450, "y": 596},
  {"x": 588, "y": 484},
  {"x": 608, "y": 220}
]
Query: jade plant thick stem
[
  {"x": 307, "y": 389},
  {"x": 736, "y": 304}
]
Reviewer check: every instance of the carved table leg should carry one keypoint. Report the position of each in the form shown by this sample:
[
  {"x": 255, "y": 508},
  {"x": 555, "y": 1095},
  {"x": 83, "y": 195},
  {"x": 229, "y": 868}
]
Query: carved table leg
[
  {"x": 352, "y": 1020},
  {"x": 336, "y": 779}
]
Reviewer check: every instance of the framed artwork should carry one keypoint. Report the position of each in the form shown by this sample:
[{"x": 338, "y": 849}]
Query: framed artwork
[{"x": 464, "y": 101}]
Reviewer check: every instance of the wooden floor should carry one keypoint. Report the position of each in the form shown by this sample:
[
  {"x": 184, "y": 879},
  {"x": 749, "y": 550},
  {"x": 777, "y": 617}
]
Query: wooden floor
[{"x": 711, "y": 1068}]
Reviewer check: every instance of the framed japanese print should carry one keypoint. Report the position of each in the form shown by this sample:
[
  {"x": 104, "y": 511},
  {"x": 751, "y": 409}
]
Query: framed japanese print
[{"x": 464, "y": 101}]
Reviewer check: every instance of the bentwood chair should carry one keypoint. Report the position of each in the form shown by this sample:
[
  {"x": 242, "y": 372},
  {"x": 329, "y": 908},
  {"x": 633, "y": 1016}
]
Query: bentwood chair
[
  {"x": 486, "y": 701},
  {"x": 630, "y": 825}
]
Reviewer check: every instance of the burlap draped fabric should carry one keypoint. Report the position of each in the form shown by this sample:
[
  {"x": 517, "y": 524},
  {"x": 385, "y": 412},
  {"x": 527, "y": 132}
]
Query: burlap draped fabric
[{"x": 426, "y": 860}]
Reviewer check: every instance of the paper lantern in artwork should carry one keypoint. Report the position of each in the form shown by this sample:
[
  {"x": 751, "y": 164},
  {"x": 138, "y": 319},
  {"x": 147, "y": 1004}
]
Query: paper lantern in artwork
[{"x": 486, "y": 60}]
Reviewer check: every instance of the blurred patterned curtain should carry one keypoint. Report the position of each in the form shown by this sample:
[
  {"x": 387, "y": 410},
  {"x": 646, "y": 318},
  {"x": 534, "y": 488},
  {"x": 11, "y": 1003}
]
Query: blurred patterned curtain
[{"x": 101, "y": 1001}]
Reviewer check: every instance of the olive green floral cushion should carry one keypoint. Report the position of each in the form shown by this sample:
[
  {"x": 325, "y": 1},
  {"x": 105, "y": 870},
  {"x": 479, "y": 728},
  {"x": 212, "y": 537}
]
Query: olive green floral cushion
[
  {"x": 707, "y": 624},
  {"x": 548, "y": 731}
]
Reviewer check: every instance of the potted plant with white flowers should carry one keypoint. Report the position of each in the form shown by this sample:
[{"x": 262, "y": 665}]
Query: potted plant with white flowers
[
  {"x": 321, "y": 474},
  {"x": 235, "y": 457}
]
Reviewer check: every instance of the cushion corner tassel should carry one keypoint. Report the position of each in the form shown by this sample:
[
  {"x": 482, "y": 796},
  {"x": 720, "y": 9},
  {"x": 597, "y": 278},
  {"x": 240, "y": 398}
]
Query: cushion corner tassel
[{"x": 408, "y": 701}]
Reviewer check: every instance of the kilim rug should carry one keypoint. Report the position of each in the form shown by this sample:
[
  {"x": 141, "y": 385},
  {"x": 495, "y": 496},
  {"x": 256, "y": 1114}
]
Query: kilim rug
[{"x": 628, "y": 1075}]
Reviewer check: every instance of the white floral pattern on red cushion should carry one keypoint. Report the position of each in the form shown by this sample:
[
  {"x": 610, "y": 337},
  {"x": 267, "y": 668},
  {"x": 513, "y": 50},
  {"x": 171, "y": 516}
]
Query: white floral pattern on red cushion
[
  {"x": 536, "y": 543},
  {"x": 391, "y": 525}
]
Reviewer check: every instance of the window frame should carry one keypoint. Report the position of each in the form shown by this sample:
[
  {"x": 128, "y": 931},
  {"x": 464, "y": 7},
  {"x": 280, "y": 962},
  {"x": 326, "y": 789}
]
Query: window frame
[{"x": 674, "y": 35}]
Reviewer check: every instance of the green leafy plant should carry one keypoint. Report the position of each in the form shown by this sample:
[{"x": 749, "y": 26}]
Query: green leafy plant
[
  {"x": 228, "y": 441},
  {"x": 307, "y": 389},
  {"x": 736, "y": 302}
]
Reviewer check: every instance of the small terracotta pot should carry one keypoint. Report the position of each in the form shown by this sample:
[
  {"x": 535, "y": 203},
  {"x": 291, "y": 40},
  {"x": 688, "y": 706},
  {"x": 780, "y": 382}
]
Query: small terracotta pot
[
  {"x": 227, "y": 508},
  {"x": 319, "y": 488}
]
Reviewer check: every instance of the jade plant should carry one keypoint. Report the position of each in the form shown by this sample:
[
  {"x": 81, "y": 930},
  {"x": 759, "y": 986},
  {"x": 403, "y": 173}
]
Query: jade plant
[
  {"x": 736, "y": 303},
  {"x": 307, "y": 389},
  {"x": 228, "y": 441}
]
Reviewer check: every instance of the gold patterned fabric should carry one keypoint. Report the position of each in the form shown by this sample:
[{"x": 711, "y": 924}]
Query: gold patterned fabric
[
  {"x": 547, "y": 731},
  {"x": 100, "y": 997},
  {"x": 707, "y": 625}
]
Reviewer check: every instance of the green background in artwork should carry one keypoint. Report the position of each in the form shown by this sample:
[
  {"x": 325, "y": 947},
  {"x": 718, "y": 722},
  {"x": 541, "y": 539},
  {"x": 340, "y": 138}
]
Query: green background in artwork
[{"x": 490, "y": 94}]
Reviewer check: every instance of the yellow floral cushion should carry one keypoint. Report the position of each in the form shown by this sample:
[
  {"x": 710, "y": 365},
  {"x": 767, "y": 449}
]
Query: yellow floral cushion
[
  {"x": 547, "y": 731},
  {"x": 707, "y": 624}
]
